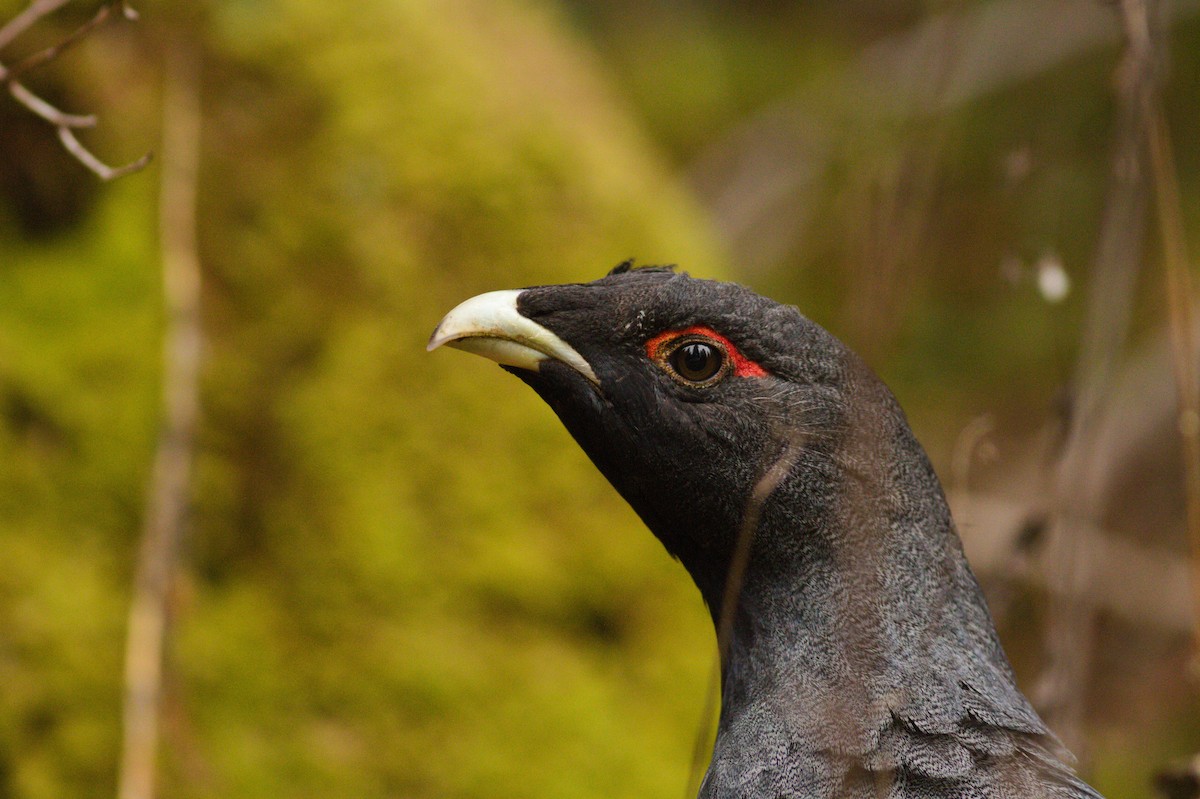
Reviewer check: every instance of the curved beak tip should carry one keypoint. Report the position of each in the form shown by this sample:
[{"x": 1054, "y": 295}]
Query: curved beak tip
[
  {"x": 490, "y": 325},
  {"x": 435, "y": 340}
]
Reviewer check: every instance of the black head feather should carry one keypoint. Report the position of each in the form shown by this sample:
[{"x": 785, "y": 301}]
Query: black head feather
[{"x": 629, "y": 264}]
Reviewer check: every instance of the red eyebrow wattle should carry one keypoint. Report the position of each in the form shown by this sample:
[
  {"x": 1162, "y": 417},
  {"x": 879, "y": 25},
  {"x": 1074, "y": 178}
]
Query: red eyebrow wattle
[{"x": 742, "y": 366}]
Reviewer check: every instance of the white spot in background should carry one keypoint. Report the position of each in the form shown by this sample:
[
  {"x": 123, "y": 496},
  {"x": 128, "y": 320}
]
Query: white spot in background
[{"x": 1052, "y": 279}]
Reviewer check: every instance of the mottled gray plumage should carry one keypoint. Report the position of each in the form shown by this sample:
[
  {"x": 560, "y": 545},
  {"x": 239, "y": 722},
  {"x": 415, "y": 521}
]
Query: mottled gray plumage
[{"x": 863, "y": 660}]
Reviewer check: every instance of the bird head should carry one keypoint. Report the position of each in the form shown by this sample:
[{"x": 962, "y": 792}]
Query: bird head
[{"x": 685, "y": 393}]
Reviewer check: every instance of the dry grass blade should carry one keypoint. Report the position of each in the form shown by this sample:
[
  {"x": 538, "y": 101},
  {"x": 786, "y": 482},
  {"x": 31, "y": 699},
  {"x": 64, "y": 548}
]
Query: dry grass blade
[{"x": 763, "y": 488}]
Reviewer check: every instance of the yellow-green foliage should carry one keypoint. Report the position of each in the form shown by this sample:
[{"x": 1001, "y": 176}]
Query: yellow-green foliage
[{"x": 401, "y": 577}]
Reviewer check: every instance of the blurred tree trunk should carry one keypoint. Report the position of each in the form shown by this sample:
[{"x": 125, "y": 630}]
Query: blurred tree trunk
[{"x": 168, "y": 496}]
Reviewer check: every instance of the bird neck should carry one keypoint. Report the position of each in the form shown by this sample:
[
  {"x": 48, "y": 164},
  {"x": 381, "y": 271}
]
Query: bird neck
[{"x": 857, "y": 606}]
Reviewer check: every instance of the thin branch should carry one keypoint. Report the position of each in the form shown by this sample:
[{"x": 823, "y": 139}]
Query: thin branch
[
  {"x": 103, "y": 170},
  {"x": 52, "y": 52},
  {"x": 64, "y": 123},
  {"x": 46, "y": 111},
  {"x": 27, "y": 18}
]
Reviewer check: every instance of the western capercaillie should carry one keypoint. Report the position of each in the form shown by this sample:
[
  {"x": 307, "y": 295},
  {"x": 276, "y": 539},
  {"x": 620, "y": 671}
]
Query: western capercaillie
[{"x": 862, "y": 660}]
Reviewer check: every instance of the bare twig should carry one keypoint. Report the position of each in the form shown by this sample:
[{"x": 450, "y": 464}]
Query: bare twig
[
  {"x": 52, "y": 52},
  {"x": 168, "y": 495},
  {"x": 46, "y": 111},
  {"x": 64, "y": 123},
  {"x": 85, "y": 157},
  {"x": 27, "y": 18}
]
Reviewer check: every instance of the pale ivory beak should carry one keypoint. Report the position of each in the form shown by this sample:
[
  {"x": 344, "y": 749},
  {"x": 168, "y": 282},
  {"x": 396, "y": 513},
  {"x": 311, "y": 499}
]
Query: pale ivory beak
[{"x": 489, "y": 325}]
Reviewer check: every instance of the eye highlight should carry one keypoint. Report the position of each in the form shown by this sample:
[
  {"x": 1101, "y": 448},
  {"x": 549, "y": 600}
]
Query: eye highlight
[{"x": 696, "y": 361}]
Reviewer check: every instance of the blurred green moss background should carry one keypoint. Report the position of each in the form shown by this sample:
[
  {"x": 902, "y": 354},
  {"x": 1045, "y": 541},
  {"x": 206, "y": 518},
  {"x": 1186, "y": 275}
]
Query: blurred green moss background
[{"x": 401, "y": 578}]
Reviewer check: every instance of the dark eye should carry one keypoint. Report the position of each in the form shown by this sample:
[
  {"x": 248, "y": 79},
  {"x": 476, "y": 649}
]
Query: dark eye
[{"x": 697, "y": 361}]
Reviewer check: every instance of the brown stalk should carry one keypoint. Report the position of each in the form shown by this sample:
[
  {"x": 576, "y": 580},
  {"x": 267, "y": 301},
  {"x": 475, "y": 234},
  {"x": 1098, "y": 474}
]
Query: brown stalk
[
  {"x": 1181, "y": 313},
  {"x": 1070, "y": 629},
  {"x": 168, "y": 496}
]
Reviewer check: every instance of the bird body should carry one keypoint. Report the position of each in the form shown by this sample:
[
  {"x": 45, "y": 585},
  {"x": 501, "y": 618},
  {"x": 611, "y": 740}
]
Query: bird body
[{"x": 859, "y": 657}]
